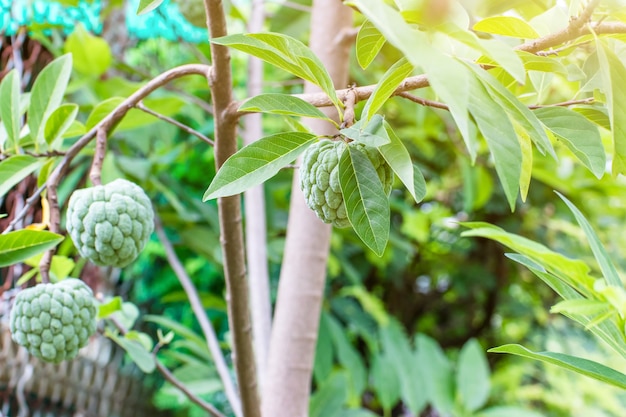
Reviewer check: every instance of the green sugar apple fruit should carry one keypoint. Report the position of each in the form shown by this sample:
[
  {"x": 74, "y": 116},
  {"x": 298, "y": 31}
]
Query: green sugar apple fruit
[
  {"x": 319, "y": 178},
  {"x": 193, "y": 12},
  {"x": 53, "y": 321},
  {"x": 110, "y": 224}
]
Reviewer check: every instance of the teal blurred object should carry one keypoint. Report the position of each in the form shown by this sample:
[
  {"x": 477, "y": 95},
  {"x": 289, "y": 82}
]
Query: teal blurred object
[{"x": 164, "y": 22}]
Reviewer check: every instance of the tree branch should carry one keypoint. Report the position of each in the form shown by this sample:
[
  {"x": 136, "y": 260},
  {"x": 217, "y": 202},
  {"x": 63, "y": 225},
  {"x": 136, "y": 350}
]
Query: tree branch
[
  {"x": 229, "y": 211},
  {"x": 174, "y": 122},
  {"x": 107, "y": 124},
  {"x": 205, "y": 323},
  {"x": 438, "y": 105}
]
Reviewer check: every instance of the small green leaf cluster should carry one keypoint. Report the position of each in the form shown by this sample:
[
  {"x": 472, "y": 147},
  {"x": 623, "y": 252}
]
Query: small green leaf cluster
[
  {"x": 53, "y": 321},
  {"x": 320, "y": 182},
  {"x": 110, "y": 224}
]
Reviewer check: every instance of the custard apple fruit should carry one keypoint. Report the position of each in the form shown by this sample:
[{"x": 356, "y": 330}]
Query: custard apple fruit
[
  {"x": 193, "y": 12},
  {"x": 110, "y": 224},
  {"x": 53, "y": 321},
  {"x": 319, "y": 178}
]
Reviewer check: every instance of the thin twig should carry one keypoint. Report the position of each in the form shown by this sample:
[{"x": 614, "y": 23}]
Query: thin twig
[
  {"x": 438, "y": 105},
  {"x": 171, "y": 378},
  {"x": 423, "y": 101},
  {"x": 95, "y": 173},
  {"x": 589, "y": 100},
  {"x": 53, "y": 226},
  {"x": 107, "y": 123},
  {"x": 205, "y": 323},
  {"x": 174, "y": 122}
]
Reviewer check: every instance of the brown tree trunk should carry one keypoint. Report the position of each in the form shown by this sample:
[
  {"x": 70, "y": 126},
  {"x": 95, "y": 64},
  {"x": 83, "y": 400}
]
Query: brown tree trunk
[{"x": 296, "y": 320}]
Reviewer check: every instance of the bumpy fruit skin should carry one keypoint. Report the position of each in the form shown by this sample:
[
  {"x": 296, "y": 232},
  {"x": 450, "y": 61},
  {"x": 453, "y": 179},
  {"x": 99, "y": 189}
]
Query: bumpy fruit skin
[
  {"x": 110, "y": 224},
  {"x": 193, "y": 11},
  {"x": 319, "y": 178},
  {"x": 53, "y": 321}
]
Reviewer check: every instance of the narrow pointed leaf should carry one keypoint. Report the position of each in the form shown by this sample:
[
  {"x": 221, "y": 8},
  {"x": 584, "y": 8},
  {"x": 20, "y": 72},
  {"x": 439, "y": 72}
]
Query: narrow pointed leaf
[
  {"x": 582, "y": 366},
  {"x": 494, "y": 124},
  {"x": 527, "y": 159},
  {"x": 369, "y": 42},
  {"x": 14, "y": 169},
  {"x": 59, "y": 122},
  {"x": 18, "y": 246},
  {"x": 10, "y": 106},
  {"x": 578, "y": 134},
  {"x": 284, "y": 104},
  {"x": 506, "y": 26},
  {"x": 392, "y": 78},
  {"x": 604, "y": 260},
  {"x": 257, "y": 162},
  {"x": 399, "y": 159},
  {"x": 613, "y": 74},
  {"x": 367, "y": 205},
  {"x": 286, "y": 53},
  {"x": 473, "y": 376},
  {"x": 47, "y": 94}
]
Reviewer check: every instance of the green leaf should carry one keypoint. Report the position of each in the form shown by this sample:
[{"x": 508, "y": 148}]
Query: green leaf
[
  {"x": 10, "y": 106},
  {"x": 109, "y": 307},
  {"x": 369, "y": 42},
  {"x": 497, "y": 52},
  {"x": 527, "y": 159},
  {"x": 350, "y": 360},
  {"x": 14, "y": 169},
  {"x": 367, "y": 206},
  {"x": 59, "y": 122},
  {"x": 399, "y": 159},
  {"x": 494, "y": 124},
  {"x": 578, "y": 134},
  {"x": 146, "y": 6},
  {"x": 437, "y": 372},
  {"x": 385, "y": 382},
  {"x": 323, "y": 365},
  {"x": 389, "y": 82},
  {"x": 20, "y": 245},
  {"x": 582, "y": 366},
  {"x": 137, "y": 352},
  {"x": 329, "y": 398},
  {"x": 371, "y": 304},
  {"x": 604, "y": 260},
  {"x": 257, "y": 162},
  {"x": 472, "y": 377},
  {"x": 506, "y": 26},
  {"x": 397, "y": 349},
  {"x": 371, "y": 133},
  {"x": 597, "y": 115},
  {"x": 580, "y": 306},
  {"x": 614, "y": 85},
  {"x": 534, "y": 62},
  {"x": 286, "y": 53},
  {"x": 284, "y": 104},
  {"x": 91, "y": 54},
  {"x": 47, "y": 94}
]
